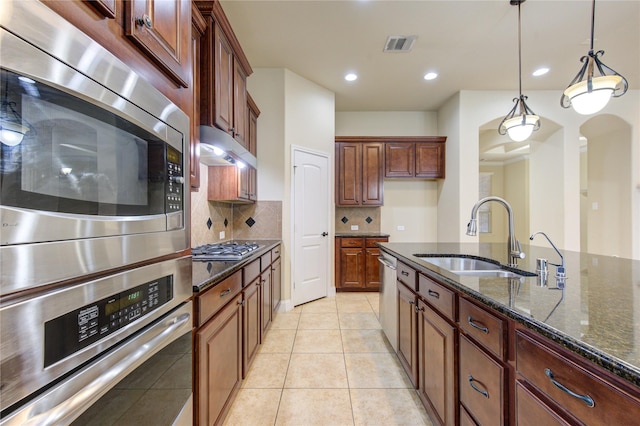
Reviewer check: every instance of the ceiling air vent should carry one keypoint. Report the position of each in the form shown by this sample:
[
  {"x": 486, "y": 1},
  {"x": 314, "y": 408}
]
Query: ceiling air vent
[{"x": 399, "y": 43}]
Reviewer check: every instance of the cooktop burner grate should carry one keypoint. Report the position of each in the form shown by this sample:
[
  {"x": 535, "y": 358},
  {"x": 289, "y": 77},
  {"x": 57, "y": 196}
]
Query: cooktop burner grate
[{"x": 223, "y": 251}]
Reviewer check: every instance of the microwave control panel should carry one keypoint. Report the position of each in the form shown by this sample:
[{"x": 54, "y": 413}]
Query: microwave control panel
[
  {"x": 175, "y": 181},
  {"x": 77, "y": 329}
]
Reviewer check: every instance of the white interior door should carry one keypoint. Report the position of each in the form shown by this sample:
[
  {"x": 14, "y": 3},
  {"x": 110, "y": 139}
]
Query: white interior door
[{"x": 310, "y": 226}]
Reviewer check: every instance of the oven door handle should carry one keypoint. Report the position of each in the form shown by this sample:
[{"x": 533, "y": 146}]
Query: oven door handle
[{"x": 66, "y": 401}]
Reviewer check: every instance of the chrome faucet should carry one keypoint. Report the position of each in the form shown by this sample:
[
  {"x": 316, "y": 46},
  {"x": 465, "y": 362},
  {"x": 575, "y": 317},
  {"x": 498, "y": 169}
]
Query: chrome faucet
[
  {"x": 514, "y": 252},
  {"x": 560, "y": 271}
]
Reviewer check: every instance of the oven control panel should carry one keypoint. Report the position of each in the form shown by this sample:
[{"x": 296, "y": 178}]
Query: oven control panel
[
  {"x": 77, "y": 329},
  {"x": 175, "y": 179}
]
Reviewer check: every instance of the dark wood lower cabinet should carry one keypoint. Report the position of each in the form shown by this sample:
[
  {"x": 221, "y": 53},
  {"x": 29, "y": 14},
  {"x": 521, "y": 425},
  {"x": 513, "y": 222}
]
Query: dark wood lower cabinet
[
  {"x": 266, "y": 291},
  {"x": 357, "y": 266},
  {"x": 218, "y": 347},
  {"x": 407, "y": 332},
  {"x": 437, "y": 360},
  {"x": 251, "y": 324},
  {"x": 482, "y": 385},
  {"x": 276, "y": 279},
  {"x": 532, "y": 411}
]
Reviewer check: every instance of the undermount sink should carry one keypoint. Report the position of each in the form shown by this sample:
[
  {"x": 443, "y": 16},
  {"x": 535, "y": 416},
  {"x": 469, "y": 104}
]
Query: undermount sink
[{"x": 471, "y": 266}]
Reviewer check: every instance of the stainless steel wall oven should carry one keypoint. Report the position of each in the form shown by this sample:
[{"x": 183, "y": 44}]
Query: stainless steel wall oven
[{"x": 95, "y": 286}]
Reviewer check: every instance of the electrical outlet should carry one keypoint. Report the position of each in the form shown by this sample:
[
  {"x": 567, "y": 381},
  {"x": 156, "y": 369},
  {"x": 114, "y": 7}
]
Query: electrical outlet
[
  {"x": 222, "y": 235},
  {"x": 354, "y": 227},
  {"x": 400, "y": 227}
]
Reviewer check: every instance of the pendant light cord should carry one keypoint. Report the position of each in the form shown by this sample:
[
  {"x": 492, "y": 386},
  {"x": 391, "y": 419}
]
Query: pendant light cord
[
  {"x": 593, "y": 23},
  {"x": 520, "y": 53}
]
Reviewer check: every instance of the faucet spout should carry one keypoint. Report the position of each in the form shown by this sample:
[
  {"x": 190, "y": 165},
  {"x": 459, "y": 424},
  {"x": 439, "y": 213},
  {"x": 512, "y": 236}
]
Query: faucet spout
[
  {"x": 560, "y": 271},
  {"x": 514, "y": 251}
]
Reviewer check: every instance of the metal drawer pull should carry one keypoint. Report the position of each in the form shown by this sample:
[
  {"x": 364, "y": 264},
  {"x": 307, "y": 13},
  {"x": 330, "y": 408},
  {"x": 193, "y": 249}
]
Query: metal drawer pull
[
  {"x": 405, "y": 273},
  {"x": 485, "y": 330},
  {"x": 224, "y": 293},
  {"x": 434, "y": 294},
  {"x": 585, "y": 398},
  {"x": 477, "y": 389}
]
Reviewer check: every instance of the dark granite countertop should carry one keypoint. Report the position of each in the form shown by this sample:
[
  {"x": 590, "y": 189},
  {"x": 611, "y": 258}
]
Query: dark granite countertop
[
  {"x": 209, "y": 273},
  {"x": 361, "y": 234},
  {"x": 596, "y": 315}
]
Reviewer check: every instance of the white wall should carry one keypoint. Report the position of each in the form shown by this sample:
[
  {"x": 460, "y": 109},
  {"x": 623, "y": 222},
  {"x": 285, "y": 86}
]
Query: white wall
[
  {"x": 462, "y": 116},
  {"x": 408, "y": 203},
  {"x": 293, "y": 111}
]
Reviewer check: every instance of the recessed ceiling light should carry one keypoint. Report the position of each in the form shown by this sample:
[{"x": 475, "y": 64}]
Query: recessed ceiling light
[
  {"x": 430, "y": 76},
  {"x": 351, "y": 77},
  {"x": 540, "y": 71}
]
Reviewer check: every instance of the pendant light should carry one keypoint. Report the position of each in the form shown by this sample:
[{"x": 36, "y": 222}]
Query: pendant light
[
  {"x": 519, "y": 127},
  {"x": 588, "y": 95}
]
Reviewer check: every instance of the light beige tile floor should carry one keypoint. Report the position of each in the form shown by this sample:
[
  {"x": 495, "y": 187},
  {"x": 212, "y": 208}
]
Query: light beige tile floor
[{"x": 327, "y": 363}]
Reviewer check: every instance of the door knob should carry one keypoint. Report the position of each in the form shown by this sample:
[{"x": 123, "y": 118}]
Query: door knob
[{"x": 324, "y": 234}]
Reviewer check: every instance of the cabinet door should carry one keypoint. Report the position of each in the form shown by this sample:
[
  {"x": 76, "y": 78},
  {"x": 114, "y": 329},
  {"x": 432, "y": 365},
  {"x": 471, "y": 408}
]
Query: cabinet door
[
  {"x": 222, "y": 107},
  {"x": 240, "y": 117},
  {"x": 482, "y": 385},
  {"x": 372, "y": 178},
  {"x": 436, "y": 364},
  {"x": 352, "y": 268},
  {"x": 276, "y": 280},
  {"x": 251, "y": 324},
  {"x": 407, "y": 333},
  {"x": 253, "y": 126},
  {"x": 197, "y": 32},
  {"x": 430, "y": 160},
  {"x": 372, "y": 269},
  {"x": 218, "y": 352},
  {"x": 161, "y": 29},
  {"x": 266, "y": 297},
  {"x": 399, "y": 160},
  {"x": 349, "y": 174}
]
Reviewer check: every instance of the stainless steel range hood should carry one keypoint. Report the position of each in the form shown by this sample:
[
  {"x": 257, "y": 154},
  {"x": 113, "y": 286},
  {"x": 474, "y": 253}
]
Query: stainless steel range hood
[{"x": 218, "y": 148}]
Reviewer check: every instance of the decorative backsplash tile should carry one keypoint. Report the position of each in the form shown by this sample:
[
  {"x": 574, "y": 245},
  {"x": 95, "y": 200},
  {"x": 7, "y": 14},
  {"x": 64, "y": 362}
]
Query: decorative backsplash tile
[
  {"x": 366, "y": 218},
  {"x": 262, "y": 220}
]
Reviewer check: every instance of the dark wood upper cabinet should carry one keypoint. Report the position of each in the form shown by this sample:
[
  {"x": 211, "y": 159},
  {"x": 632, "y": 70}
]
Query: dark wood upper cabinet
[
  {"x": 358, "y": 173},
  {"x": 224, "y": 69},
  {"x": 198, "y": 29},
  {"x": 413, "y": 157},
  {"x": 106, "y": 7},
  {"x": 161, "y": 29}
]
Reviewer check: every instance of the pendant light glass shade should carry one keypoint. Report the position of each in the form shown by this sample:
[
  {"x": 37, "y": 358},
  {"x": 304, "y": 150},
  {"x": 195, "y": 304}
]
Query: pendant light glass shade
[
  {"x": 588, "y": 94},
  {"x": 521, "y": 127},
  {"x": 521, "y": 121}
]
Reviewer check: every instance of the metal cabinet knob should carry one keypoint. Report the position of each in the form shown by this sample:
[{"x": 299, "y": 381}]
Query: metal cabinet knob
[{"x": 145, "y": 20}]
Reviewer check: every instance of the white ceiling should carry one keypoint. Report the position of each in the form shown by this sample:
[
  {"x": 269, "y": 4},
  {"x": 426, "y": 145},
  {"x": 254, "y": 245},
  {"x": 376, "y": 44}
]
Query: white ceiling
[{"x": 472, "y": 45}]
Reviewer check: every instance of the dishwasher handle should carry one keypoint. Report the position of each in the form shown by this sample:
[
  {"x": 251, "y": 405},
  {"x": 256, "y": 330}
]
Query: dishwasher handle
[{"x": 386, "y": 263}]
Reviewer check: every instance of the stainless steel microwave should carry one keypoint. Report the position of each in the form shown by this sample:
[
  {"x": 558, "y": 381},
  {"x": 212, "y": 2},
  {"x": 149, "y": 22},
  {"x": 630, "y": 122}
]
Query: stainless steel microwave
[{"x": 92, "y": 157}]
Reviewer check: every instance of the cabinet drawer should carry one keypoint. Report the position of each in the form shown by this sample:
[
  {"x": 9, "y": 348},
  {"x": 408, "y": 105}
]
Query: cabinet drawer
[
  {"x": 352, "y": 242},
  {"x": 275, "y": 253},
  {"x": 531, "y": 411},
  {"x": 406, "y": 275},
  {"x": 593, "y": 400},
  {"x": 265, "y": 260},
  {"x": 482, "y": 384},
  {"x": 486, "y": 328},
  {"x": 371, "y": 242},
  {"x": 209, "y": 303},
  {"x": 442, "y": 299},
  {"x": 465, "y": 418},
  {"x": 251, "y": 272}
]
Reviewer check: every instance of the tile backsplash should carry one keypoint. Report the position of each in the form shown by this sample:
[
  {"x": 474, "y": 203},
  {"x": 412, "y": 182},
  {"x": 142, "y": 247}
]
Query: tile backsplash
[
  {"x": 262, "y": 220},
  {"x": 366, "y": 218}
]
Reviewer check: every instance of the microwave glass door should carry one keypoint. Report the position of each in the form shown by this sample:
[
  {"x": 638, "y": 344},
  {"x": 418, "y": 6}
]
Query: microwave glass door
[{"x": 77, "y": 157}]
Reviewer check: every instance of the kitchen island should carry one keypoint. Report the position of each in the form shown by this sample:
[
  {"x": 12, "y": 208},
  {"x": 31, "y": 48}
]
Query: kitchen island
[{"x": 590, "y": 320}]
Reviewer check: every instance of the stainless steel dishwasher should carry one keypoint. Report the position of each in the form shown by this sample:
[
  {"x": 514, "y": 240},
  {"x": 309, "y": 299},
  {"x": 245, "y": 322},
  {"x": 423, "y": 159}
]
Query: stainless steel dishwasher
[{"x": 389, "y": 298}]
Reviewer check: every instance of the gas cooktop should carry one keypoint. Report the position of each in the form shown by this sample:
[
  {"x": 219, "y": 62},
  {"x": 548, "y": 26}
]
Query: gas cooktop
[{"x": 223, "y": 251}]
